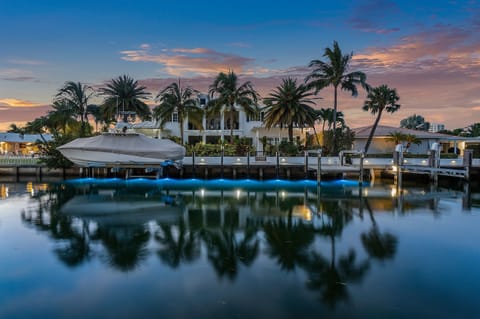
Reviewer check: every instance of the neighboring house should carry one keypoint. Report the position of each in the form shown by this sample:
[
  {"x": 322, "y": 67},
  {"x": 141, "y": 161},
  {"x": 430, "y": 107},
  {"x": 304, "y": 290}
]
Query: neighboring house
[
  {"x": 20, "y": 144},
  {"x": 381, "y": 143}
]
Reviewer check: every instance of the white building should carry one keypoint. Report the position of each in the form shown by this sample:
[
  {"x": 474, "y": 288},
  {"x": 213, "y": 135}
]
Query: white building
[
  {"x": 243, "y": 126},
  {"x": 436, "y": 127}
]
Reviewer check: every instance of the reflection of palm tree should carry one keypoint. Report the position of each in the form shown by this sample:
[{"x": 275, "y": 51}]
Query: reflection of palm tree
[
  {"x": 74, "y": 248},
  {"x": 288, "y": 243},
  {"x": 378, "y": 246},
  {"x": 177, "y": 244},
  {"x": 331, "y": 279},
  {"x": 225, "y": 251},
  {"x": 126, "y": 245}
]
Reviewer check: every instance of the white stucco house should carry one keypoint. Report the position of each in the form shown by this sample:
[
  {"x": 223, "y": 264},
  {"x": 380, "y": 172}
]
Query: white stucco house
[
  {"x": 381, "y": 144},
  {"x": 243, "y": 126}
]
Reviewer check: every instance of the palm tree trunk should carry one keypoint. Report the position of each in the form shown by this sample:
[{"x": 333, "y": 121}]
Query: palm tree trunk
[
  {"x": 372, "y": 132},
  {"x": 316, "y": 135},
  {"x": 181, "y": 130},
  {"x": 290, "y": 133},
  {"x": 231, "y": 123},
  {"x": 334, "y": 141}
]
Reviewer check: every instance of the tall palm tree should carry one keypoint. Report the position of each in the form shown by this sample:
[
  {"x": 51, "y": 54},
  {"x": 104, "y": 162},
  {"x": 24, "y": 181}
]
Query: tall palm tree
[
  {"x": 124, "y": 94},
  {"x": 290, "y": 105},
  {"x": 227, "y": 93},
  {"x": 183, "y": 101},
  {"x": 77, "y": 96},
  {"x": 379, "y": 99},
  {"x": 335, "y": 72}
]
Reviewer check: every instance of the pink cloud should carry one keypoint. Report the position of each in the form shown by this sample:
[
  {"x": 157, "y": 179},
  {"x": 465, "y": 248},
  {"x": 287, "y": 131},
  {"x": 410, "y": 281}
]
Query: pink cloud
[
  {"x": 20, "y": 115},
  {"x": 188, "y": 62}
]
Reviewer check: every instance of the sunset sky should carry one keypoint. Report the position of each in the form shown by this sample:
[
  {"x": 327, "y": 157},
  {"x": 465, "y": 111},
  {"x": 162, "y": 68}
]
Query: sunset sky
[{"x": 428, "y": 50}]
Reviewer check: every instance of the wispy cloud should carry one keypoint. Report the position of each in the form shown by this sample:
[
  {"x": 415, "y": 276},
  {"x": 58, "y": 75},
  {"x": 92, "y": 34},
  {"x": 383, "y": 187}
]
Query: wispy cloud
[
  {"x": 240, "y": 44},
  {"x": 17, "y": 75},
  {"x": 17, "y": 103},
  {"x": 373, "y": 15},
  {"x": 26, "y": 62},
  {"x": 444, "y": 47},
  {"x": 190, "y": 61}
]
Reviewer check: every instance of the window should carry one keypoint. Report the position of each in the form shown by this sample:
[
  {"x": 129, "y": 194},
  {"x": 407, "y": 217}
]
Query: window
[{"x": 174, "y": 117}]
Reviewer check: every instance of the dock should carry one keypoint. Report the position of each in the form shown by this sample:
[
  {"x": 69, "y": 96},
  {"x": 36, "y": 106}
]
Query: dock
[{"x": 310, "y": 166}]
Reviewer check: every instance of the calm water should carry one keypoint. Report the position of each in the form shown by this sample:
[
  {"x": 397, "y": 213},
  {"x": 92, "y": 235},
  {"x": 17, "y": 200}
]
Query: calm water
[{"x": 169, "y": 249}]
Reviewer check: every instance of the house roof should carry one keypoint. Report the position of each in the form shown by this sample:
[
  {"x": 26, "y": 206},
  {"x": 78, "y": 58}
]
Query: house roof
[
  {"x": 22, "y": 138},
  {"x": 384, "y": 131}
]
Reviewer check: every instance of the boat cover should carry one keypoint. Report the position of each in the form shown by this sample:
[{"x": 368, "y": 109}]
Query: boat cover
[{"x": 131, "y": 144}]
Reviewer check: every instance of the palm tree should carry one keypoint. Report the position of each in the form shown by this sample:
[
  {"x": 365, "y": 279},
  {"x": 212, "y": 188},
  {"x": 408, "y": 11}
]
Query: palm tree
[
  {"x": 126, "y": 92},
  {"x": 95, "y": 111},
  {"x": 226, "y": 93},
  {"x": 379, "y": 99},
  {"x": 335, "y": 72},
  {"x": 13, "y": 128},
  {"x": 412, "y": 138},
  {"x": 183, "y": 101},
  {"x": 396, "y": 137},
  {"x": 289, "y": 106},
  {"x": 76, "y": 95},
  {"x": 323, "y": 115},
  {"x": 61, "y": 116}
]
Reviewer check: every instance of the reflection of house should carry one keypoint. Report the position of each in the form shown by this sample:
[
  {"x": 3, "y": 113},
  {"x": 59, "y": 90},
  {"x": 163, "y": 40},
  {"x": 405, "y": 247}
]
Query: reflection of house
[
  {"x": 382, "y": 144},
  {"x": 20, "y": 144}
]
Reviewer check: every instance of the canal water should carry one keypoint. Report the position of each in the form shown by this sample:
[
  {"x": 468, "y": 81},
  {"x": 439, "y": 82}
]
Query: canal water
[{"x": 101, "y": 248}]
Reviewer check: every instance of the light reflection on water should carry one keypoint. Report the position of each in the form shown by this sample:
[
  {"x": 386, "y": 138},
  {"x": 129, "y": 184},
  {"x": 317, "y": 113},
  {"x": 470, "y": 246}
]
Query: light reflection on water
[{"x": 207, "y": 249}]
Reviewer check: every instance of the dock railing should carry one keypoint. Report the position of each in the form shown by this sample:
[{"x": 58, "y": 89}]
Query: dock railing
[{"x": 19, "y": 160}]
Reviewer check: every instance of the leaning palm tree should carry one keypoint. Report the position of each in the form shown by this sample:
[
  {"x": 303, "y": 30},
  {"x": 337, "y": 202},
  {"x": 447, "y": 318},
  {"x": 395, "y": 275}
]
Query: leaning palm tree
[
  {"x": 124, "y": 94},
  {"x": 335, "y": 72},
  {"x": 227, "y": 93},
  {"x": 290, "y": 106},
  {"x": 379, "y": 99},
  {"x": 77, "y": 96},
  {"x": 183, "y": 101}
]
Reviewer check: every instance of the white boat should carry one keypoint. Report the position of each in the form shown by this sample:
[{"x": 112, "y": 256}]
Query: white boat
[{"x": 120, "y": 149}]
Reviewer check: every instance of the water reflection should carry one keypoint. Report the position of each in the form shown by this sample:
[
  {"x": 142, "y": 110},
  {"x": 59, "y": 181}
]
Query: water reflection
[{"x": 123, "y": 225}]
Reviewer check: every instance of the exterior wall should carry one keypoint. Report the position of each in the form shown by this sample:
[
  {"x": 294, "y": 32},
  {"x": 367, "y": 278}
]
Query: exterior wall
[
  {"x": 381, "y": 145},
  {"x": 245, "y": 129}
]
